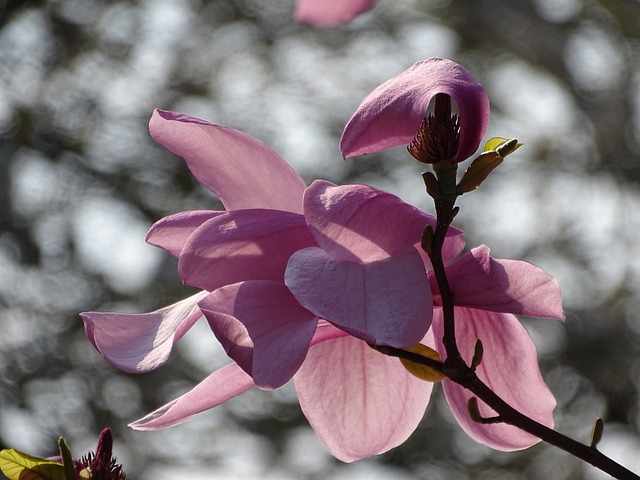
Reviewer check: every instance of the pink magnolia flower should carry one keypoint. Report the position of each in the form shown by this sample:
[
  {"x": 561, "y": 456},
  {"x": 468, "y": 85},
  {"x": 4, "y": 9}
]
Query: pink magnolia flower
[
  {"x": 392, "y": 114},
  {"x": 241, "y": 255},
  {"x": 297, "y": 280},
  {"x": 330, "y": 12}
]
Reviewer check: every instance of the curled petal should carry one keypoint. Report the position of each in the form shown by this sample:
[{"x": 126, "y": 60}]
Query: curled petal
[
  {"x": 387, "y": 302},
  {"x": 391, "y": 114},
  {"x": 242, "y": 245},
  {"x": 359, "y": 402},
  {"x": 217, "y": 388},
  {"x": 140, "y": 342},
  {"x": 361, "y": 223},
  {"x": 262, "y": 328},
  {"x": 507, "y": 286},
  {"x": 509, "y": 367},
  {"x": 172, "y": 232},
  {"x": 322, "y": 13},
  {"x": 242, "y": 171}
]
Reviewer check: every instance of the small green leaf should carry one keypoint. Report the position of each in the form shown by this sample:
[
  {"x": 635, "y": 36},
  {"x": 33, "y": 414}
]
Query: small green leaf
[
  {"x": 504, "y": 146},
  {"x": 20, "y": 466},
  {"x": 494, "y": 143},
  {"x": 67, "y": 460}
]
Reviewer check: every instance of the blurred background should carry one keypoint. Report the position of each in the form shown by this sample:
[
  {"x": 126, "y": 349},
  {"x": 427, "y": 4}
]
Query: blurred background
[{"x": 81, "y": 181}]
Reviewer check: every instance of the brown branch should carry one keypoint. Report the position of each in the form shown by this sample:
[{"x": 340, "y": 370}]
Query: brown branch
[{"x": 459, "y": 372}]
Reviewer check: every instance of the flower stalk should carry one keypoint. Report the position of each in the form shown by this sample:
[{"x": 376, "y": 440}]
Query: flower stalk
[{"x": 455, "y": 368}]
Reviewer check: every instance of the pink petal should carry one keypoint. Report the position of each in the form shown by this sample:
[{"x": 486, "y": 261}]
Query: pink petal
[
  {"x": 242, "y": 245},
  {"x": 361, "y": 223},
  {"x": 387, "y": 302},
  {"x": 172, "y": 232},
  {"x": 359, "y": 402},
  {"x": 391, "y": 115},
  {"x": 507, "y": 286},
  {"x": 509, "y": 367},
  {"x": 242, "y": 171},
  {"x": 262, "y": 328},
  {"x": 140, "y": 342},
  {"x": 222, "y": 385},
  {"x": 323, "y": 13},
  {"x": 325, "y": 331}
]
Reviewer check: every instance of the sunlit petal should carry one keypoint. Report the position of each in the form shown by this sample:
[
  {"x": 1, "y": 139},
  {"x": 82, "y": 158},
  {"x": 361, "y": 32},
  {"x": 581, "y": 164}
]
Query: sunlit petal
[
  {"x": 139, "y": 342},
  {"x": 242, "y": 171},
  {"x": 359, "y": 402},
  {"x": 509, "y": 367}
]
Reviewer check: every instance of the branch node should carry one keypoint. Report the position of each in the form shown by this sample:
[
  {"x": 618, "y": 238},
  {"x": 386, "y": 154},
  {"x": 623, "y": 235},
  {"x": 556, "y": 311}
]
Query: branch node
[
  {"x": 476, "y": 416},
  {"x": 597, "y": 432}
]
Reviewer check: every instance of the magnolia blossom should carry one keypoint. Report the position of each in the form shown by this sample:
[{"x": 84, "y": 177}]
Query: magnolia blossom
[
  {"x": 330, "y": 12},
  {"x": 297, "y": 280},
  {"x": 243, "y": 256},
  {"x": 392, "y": 114}
]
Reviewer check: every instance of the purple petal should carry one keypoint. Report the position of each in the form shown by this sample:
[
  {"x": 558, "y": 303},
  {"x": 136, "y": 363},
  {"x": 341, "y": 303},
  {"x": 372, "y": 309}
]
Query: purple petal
[
  {"x": 242, "y": 171},
  {"x": 359, "y": 402},
  {"x": 509, "y": 367},
  {"x": 361, "y": 223},
  {"x": 387, "y": 302},
  {"x": 507, "y": 286},
  {"x": 217, "y": 388},
  {"x": 242, "y": 245},
  {"x": 322, "y": 13},
  {"x": 140, "y": 342},
  {"x": 262, "y": 328},
  {"x": 391, "y": 115},
  {"x": 172, "y": 232}
]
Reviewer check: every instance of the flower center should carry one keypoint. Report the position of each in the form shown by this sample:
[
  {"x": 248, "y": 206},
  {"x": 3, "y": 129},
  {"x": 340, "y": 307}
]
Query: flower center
[{"x": 439, "y": 133}]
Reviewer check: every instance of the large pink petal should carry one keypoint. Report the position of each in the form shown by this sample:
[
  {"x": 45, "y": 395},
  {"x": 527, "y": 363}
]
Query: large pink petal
[
  {"x": 172, "y": 232},
  {"x": 217, "y": 388},
  {"x": 391, "y": 114},
  {"x": 262, "y": 328},
  {"x": 323, "y": 13},
  {"x": 242, "y": 171},
  {"x": 507, "y": 286},
  {"x": 509, "y": 367},
  {"x": 242, "y": 245},
  {"x": 359, "y": 402},
  {"x": 387, "y": 302},
  {"x": 140, "y": 342},
  {"x": 362, "y": 223}
]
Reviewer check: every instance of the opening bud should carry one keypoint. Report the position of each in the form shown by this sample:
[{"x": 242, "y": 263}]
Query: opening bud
[{"x": 438, "y": 138}]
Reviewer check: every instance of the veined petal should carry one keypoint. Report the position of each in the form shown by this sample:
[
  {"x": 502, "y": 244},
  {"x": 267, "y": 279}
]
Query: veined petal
[
  {"x": 321, "y": 13},
  {"x": 362, "y": 223},
  {"x": 359, "y": 402},
  {"x": 242, "y": 245},
  {"x": 509, "y": 367},
  {"x": 172, "y": 232},
  {"x": 391, "y": 114},
  {"x": 242, "y": 171},
  {"x": 507, "y": 286},
  {"x": 387, "y": 302},
  {"x": 222, "y": 385},
  {"x": 261, "y": 327},
  {"x": 140, "y": 342}
]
